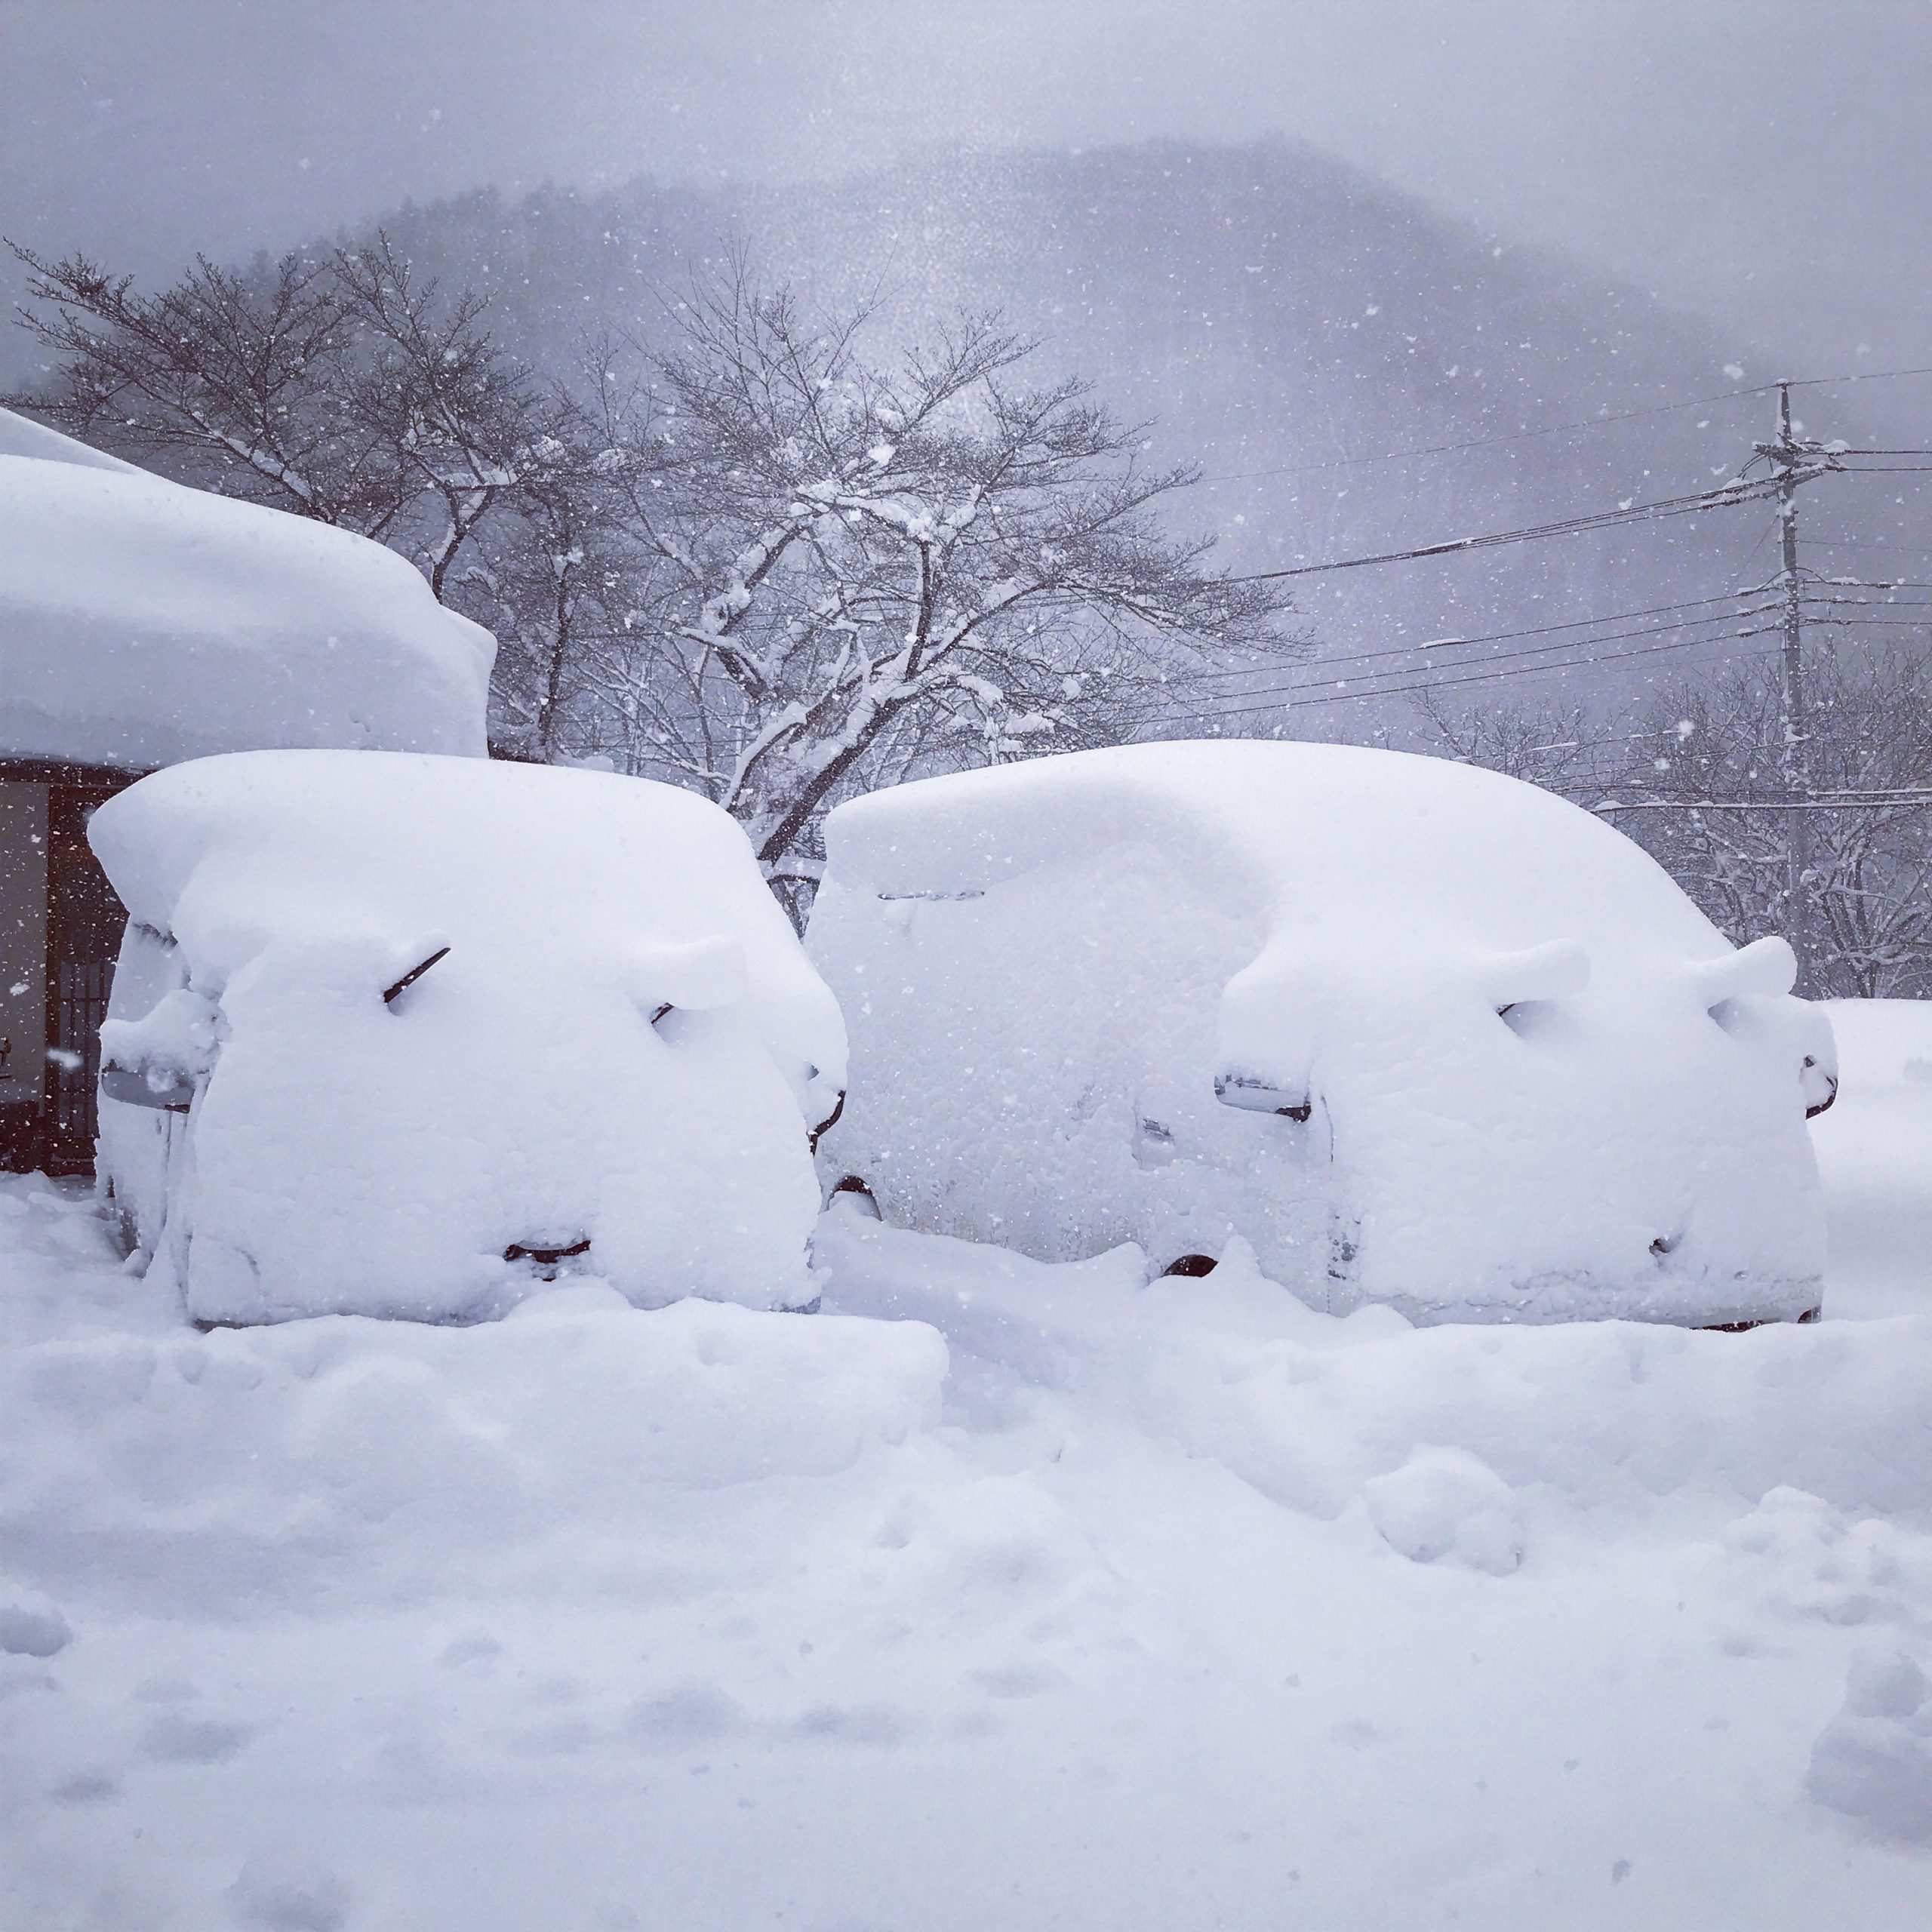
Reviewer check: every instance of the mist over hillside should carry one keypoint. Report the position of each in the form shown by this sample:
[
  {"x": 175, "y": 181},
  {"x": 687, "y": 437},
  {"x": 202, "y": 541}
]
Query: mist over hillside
[{"x": 1291, "y": 324}]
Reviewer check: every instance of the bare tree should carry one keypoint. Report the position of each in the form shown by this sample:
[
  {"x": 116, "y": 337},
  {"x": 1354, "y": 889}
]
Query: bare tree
[
  {"x": 1698, "y": 779},
  {"x": 1548, "y": 747},
  {"x": 768, "y": 565},
  {"x": 1710, "y": 808},
  {"x": 549, "y": 575},
  {"x": 336, "y": 386},
  {"x": 872, "y": 569}
]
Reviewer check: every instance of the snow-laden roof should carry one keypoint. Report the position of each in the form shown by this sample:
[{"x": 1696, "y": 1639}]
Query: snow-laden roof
[
  {"x": 143, "y": 622},
  {"x": 1393, "y": 850}
]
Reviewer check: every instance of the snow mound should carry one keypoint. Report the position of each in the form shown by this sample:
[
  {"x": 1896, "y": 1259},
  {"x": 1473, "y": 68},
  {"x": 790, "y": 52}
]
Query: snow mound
[
  {"x": 142, "y": 623},
  {"x": 283, "y": 1460},
  {"x": 1872, "y": 1153},
  {"x": 1424, "y": 1034},
  {"x": 1873, "y": 1761},
  {"x": 1445, "y": 1505},
  {"x": 438, "y": 1022},
  {"x": 751, "y": 1614},
  {"x": 1316, "y": 1410}
]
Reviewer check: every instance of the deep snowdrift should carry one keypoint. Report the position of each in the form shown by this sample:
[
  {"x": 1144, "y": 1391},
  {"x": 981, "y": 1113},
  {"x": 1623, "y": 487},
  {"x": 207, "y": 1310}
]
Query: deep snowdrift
[
  {"x": 1120, "y": 1609},
  {"x": 618, "y": 1042},
  {"x": 142, "y": 622},
  {"x": 1475, "y": 1053}
]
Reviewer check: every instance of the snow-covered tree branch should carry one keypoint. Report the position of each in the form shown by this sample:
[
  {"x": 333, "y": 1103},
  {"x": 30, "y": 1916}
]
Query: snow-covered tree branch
[
  {"x": 901, "y": 563},
  {"x": 337, "y": 385},
  {"x": 1697, "y": 779}
]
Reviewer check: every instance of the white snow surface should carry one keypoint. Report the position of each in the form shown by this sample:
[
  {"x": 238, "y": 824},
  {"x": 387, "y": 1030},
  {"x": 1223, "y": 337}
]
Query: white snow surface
[
  {"x": 1000, "y": 1594},
  {"x": 142, "y": 622},
  {"x": 20, "y": 435},
  {"x": 1536, "y": 1083},
  {"x": 344, "y": 1154}
]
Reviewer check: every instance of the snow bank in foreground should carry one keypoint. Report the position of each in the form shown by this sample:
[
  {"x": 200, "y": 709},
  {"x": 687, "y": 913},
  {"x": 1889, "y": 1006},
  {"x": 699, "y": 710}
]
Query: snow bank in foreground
[
  {"x": 1124, "y": 1608},
  {"x": 379, "y": 1459},
  {"x": 142, "y": 622},
  {"x": 611, "y": 1045},
  {"x": 1318, "y": 1412},
  {"x": 1424, "y": 1034},
  {"x": 1875, "y": 1151}
]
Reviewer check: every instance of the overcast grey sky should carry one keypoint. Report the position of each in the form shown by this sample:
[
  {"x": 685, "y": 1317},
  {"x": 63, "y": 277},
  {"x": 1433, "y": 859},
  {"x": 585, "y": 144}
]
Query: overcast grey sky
[{"x": 1766, "y": 161}]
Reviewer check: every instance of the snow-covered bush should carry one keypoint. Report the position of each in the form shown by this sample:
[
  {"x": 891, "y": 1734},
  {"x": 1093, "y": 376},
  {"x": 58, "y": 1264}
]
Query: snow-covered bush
[
  {"x": 389, "y": 1033},
  {"x": 1423, "y": 1034}
]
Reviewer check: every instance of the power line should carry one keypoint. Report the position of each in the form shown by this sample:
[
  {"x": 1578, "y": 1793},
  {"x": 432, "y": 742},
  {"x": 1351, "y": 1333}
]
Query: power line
[
  {"x": 1316, "y": 684},
  {"x": 1873, "y": 623},
  {"x": 1482, "y": 442},
  {"x": 1828, "y": 381},
  {"x": 1815, "y": 602},
  {"x": 1557, "y": 428},
  {"x": 1476, "y": 677},
  {"x": 1492, "y": 637},
  {"x": 1597, "y": 744},
  {"x": 1836, "y": 802},
  {"x": 1866, "y": 543},
  {"x": 1725, "y": 497}
]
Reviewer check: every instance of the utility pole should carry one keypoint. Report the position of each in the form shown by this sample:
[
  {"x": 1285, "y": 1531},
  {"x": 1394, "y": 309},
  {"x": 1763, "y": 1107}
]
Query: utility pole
[{"x": 1795, "y": 762}]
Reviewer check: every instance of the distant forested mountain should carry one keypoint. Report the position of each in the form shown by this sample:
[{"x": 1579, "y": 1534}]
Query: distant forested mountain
[{"x": 1291, "y": 324}]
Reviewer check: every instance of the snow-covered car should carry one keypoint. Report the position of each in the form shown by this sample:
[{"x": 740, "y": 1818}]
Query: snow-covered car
[
  {"x": 390, "y": 1033},
  {"x": 1420, "y": 1034}
]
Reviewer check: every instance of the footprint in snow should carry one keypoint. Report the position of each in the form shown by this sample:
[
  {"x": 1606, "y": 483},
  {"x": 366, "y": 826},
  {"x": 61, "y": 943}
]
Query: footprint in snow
[
  {"x": 171, "y": 1738},
  {"x": 1019, "y": 1680},
  {"x": 32, "y": 1633},
  {"x": 293, "y": 1897}
]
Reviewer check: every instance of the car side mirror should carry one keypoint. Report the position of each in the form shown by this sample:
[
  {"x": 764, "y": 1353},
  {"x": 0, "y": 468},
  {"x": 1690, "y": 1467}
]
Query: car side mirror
[
  {"x": 165, "y": 1089},
  {"x": 159, "y": 1060}
]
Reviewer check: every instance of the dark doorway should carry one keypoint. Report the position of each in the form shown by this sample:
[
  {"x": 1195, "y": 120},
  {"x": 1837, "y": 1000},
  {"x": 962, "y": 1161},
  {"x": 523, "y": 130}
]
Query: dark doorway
[{"x": 51, "y": 868}]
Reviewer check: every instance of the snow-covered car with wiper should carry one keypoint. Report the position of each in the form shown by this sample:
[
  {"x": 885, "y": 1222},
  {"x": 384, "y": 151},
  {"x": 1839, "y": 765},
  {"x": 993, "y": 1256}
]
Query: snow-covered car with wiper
[
  {"x": 1421, "y": 1034},
  {"x": 390, "y": 1035}
]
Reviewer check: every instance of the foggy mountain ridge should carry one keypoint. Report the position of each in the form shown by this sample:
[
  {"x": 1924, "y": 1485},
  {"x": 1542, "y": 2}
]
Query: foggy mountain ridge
[
  {"x": 1290, "y": 323},
  {"x": 1269, "y": 309}
]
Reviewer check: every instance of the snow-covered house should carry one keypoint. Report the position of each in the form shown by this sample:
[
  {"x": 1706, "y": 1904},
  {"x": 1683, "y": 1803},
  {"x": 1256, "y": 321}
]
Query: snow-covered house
[{"x": 142, "y": 623}]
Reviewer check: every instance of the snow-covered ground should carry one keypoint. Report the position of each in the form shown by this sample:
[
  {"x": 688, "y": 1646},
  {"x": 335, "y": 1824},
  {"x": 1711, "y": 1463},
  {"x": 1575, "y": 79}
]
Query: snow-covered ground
[{"x": 998, "y": 1595}]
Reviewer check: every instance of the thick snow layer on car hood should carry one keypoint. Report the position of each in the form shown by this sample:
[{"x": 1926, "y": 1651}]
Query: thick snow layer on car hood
[
  {"x": 618, "y": 1042},
  {"x": 1366, "y": 847},
  {"x": 1423, "y": 1034},
  {"x": 142, "y": 623}
]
